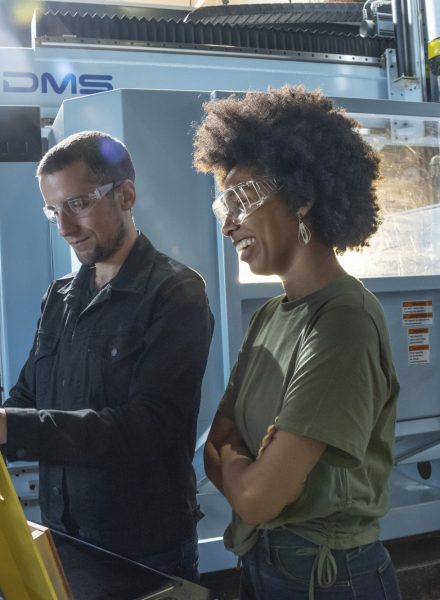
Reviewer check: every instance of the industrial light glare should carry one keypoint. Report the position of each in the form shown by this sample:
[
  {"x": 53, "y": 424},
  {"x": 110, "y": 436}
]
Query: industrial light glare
[{"x": 22, "y": 11}]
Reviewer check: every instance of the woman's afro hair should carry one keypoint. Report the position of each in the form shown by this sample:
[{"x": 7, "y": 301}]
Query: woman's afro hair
[{"x": 309, "y": 145}]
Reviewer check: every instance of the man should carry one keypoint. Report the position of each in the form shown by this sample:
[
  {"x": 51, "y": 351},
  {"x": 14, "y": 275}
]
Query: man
[{"x": 109, "y": 396}]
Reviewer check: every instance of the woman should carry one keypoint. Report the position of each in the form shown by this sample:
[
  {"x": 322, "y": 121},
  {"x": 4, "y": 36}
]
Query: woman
[{"x": 302, "y": 443}]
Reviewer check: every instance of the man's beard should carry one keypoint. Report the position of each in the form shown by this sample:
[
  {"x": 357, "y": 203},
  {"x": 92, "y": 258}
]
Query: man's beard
[{"x": 102, "y": 253}]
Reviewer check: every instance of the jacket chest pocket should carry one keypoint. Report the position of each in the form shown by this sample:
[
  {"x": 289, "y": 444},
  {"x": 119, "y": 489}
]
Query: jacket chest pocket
[
  {"x": 44, "y": 360},
  {"x": 114, "y": 357}
]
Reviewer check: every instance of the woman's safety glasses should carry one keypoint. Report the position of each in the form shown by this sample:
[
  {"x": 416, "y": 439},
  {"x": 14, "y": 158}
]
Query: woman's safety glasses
[{"x": 241, "y": 200}]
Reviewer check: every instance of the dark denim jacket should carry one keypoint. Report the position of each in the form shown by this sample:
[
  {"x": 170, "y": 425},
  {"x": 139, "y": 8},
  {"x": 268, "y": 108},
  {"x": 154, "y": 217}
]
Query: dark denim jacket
[{"x": 108, "y": 403}]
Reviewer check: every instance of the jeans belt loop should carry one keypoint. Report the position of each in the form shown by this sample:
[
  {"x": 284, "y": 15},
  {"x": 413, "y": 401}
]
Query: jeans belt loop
[{"x": 266, "y": 544}]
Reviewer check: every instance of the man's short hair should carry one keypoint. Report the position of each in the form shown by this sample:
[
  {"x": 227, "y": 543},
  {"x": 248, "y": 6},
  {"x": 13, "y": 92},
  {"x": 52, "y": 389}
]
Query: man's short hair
[{"x": 106, "y": 158}]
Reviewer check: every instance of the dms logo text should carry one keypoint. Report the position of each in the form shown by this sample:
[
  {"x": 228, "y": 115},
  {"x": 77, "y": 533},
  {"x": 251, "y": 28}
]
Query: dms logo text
[{"x": 24, "y": 82}]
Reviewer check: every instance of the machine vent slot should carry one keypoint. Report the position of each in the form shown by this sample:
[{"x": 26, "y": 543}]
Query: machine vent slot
[
  {"x": 309, "y": 15},
  {"x": 103, "y": 30},
  {"x": 20, "y": 134}
]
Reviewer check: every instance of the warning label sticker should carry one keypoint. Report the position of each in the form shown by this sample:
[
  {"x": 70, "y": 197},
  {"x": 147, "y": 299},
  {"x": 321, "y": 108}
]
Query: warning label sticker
[
  {"x": 418, "y": 346},
  {"x": 417, "y": 312}
]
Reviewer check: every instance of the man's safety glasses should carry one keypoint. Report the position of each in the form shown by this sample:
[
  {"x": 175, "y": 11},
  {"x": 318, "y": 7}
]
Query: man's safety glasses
[
  {"x": 80, "y": 206},
  {"x": 241, "y": 200}
]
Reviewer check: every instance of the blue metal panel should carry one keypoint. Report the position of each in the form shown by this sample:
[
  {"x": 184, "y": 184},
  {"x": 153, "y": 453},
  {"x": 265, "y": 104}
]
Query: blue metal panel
[
  {"x": 25, "y": 264},
  {"x": 24, "y": 79},
  {"x": 232, "y": 321},
  {"x": 420, "y": 382}
]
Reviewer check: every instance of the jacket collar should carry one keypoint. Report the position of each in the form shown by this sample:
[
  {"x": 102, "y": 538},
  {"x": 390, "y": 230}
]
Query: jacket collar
[{"x": 132, "y": 276}]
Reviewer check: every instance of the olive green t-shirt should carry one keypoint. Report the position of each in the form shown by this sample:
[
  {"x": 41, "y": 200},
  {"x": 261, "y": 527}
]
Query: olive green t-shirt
[{"x": 323, "y": 366}]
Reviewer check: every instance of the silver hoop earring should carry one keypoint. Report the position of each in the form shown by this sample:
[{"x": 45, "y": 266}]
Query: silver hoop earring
[{"x": 304, "y": 234}]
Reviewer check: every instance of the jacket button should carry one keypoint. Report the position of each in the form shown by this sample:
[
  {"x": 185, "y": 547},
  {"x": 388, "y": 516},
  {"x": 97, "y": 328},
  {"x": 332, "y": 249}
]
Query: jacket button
[{"x": 56, "y": 491}]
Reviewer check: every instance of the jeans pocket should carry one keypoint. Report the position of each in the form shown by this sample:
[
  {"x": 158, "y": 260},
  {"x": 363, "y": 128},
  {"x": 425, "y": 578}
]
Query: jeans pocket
[
  {"x": 373, "y": 574},
  {"x": 299, "y": 568},
  {"x": 388, "y": 579},
  {"x": 291, "y": 566}
]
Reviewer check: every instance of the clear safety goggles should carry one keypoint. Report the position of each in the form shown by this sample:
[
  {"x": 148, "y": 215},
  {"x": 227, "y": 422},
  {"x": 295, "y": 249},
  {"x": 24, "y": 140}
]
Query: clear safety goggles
[
  {"x": 80, "y": 206},
  {"x": 241, "y": 200}
]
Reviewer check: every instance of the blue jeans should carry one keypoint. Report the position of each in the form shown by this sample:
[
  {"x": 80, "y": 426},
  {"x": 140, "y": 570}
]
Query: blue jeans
[
  {"x": 182, "y": 561},
  {"x": 284, "y": 566}
]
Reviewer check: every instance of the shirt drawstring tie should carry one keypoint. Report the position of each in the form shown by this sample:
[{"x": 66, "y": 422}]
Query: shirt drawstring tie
[{"x": 324, "y": 566}]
